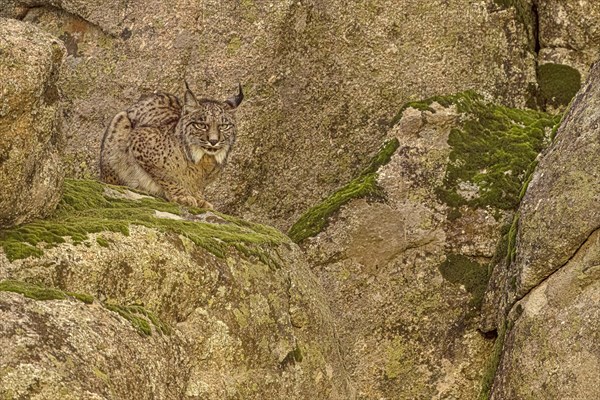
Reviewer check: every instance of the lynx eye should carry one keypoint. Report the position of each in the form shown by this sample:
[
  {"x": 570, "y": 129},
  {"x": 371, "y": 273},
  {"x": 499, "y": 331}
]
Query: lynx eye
[
  {"x": 200, "y": 125},
  {"x": 225, "y": 127}
]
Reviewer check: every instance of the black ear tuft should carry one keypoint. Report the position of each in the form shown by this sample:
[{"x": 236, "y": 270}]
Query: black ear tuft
[
  {"x": 235, "y": 101},
  {"x": 189, "y": 98}
]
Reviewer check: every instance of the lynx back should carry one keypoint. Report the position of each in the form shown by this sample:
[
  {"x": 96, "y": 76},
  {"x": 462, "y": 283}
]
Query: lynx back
[{"x": 169, "y": 150}]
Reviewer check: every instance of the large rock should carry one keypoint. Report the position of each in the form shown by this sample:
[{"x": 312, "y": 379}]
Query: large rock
[
  {"x": 66, "y": 349},
  {"x": 249, "y": 320},
  {"x": 30, "y": 137},
  {"x": 569, "y": 33},
  {"x": 549, "y": 282},
  {"x": 405, "y": 253},
  {"x": 560, "y": 209},
  {"x": 323, "y": 80},
  {"x": 552, "y": 350},
  {"x": 562, "y": 205}
]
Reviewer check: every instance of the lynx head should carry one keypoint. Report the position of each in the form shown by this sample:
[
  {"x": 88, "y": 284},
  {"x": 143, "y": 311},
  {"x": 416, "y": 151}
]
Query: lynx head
[{"x": 207, "y": 127}]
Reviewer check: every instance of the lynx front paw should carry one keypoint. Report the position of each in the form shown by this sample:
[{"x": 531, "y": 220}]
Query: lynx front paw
[
  {"x": 205, "y": 204},
  {"x": 186, "y": 201}
]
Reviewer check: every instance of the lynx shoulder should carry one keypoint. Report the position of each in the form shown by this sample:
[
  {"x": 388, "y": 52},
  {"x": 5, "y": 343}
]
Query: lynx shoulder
[{"x": 170, "y": 149}]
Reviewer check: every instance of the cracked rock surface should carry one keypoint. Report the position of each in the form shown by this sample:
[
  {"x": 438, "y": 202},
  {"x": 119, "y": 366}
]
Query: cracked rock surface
[
  {"x": 561, "y": 208},
  {"x": 552, "y": 287}
]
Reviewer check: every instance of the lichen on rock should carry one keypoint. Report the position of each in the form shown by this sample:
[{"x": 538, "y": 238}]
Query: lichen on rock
[
  {"x": 233, "y": 302},
  {"x": 31, "y": 137}
]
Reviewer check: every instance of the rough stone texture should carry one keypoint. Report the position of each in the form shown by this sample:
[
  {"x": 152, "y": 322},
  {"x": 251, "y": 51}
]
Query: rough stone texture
[
  {"x": 569, "y": 33},
  {"x": 251, "y": 324},
  {"x": 562, "y": 205},
  {"x": 65, "y": 349},
  {"x": 551, "y": 290},
  {"x": 310, "y": 120},
  {"x": 30, "y": 139},
  {"x": 410, "y": 333},
  {"x": 553, "y": 349}
]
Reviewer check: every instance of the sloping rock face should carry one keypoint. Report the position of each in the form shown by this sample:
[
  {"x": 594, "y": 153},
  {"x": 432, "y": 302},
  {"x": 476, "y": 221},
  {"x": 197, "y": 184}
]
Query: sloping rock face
[
  {"x": 310, "y": 121},
  {"x": 406, "y": 263},
  {"x": 551, "y": 348},
  {"x": 66, "y": 349},
  {"x": 560, "y": 209},
  {"x": 30, "y": 115},
  {"x": 231, "y": 307}
]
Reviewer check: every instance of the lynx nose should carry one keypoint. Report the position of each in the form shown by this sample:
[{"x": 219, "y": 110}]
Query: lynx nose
[{"x": 213, "y": 141}]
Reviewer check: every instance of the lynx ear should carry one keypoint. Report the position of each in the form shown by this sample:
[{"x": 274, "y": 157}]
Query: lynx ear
[
  {"x": 235, "y": 101},
  {"x": 189, "y": 98}
]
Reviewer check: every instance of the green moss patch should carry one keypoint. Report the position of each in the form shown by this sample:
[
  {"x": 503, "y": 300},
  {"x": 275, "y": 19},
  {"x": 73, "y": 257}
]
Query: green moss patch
[
  {"x": 85, "y": 209},
  {"x": 38, "y": 292},
  {"x": 423, "y": 105},
  {"x": 558, "y": 83},
  {"x": 471, "y": 274},
  {"x": 102, "y": 241},
  {"x": 511, "y": 240},
  {"x": 140, "y": 318},
  {"x": 315, "y": 219},
  {"x": 493, "y": 362},
  {"x": 492, "y": 152}
]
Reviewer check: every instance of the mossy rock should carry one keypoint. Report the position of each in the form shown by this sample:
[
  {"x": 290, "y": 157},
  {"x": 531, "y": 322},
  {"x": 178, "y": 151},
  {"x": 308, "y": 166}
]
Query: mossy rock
[
  {"x": 472, "y": 275},
  {"x": 140, "y": 318},
  {"x": 493, "y": 363},
  {"x": 86, "y": 208},
  {"x": 493, "y": 149},
  {"x": 38, "y": 292},
  {"x": 314, "y": 220},
  {"x": 558, "y": 84}
]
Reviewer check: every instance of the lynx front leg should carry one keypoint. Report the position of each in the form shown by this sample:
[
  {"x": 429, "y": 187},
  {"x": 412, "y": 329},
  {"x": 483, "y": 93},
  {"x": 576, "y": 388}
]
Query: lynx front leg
[
  {"x": 202, "y": 203},
  {"x": 175, "y": 193}
]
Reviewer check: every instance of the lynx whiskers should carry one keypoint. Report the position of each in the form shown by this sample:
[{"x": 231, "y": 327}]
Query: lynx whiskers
[{"x": 168, "y": 149}]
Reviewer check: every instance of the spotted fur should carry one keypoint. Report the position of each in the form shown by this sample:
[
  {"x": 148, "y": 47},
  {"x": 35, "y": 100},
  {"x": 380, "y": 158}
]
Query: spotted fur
[{"x": 168, "y": 149}]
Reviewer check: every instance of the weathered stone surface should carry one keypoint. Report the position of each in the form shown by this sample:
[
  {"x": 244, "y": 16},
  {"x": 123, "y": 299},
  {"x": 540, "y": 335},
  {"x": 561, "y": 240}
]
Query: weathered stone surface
[
  {"x": 559, "y": 211},
  {"x": 323, "y": 80},
  {"x": 553, "y": 348},
  {"x": 250, "y": 318},
  {"x": 406, "y": 268},
  {"x": 30, "y": 138},
  {"x": 65, "y": 349},
  {"x": 406, "y": 275},
  {"x": 562, "y": 205},
  {"x": 549, "y": 285},
  {"x": 569, "y": 33}
]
